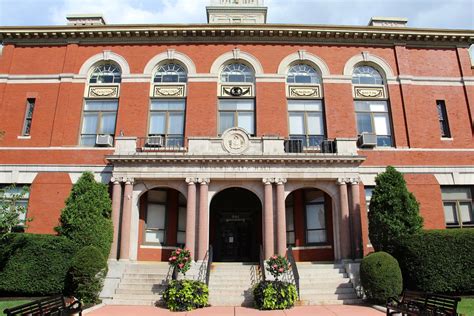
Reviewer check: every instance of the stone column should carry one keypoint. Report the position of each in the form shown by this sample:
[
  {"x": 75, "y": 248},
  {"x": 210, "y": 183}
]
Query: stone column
[
  {"x": 344, "y": 227},
  {"x": 356, "y": 220},
  {"x": 281, "y": 216},
  {"x": 203, "y": 229},
  {"x": 191, "y": 217},
  {"x": 116, "y": 204},
  {"x": 126, "y": 220},
  {"x": 268, "y": 240}
]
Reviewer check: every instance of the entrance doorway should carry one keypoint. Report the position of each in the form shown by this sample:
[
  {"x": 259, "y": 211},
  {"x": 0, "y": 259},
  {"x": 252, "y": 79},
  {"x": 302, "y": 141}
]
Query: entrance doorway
[{"x": 236, "y": 226}]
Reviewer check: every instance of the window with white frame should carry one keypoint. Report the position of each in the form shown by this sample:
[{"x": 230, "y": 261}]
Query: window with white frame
[
  {"x": 170, "y": 73},
  {"x": 306, "y": 121},
  {"x": 237, "y": 113},
  {"x": 290, "y": 222},
  {"x": 303, "y": 74},
  {"x": 30, "y": 107},
  {"x": 315, "y": 215},
  {"x": 181, "y": 237},
  {"x": 458, "y": 206},
  {"x": 99, "y": 118},
  {"x": 155, "y": 225},
  {"x": 367, "y": 75},
  {"x": 106, "y": 73},
  {"x": 373, "y": 117},
  {"x": 237, "y": 72},
  {"x": 167, "y": 120}
]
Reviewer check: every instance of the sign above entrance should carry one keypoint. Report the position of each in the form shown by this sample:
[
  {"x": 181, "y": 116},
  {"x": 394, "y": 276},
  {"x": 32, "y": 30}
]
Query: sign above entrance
[{"x": 235, "y": 141}]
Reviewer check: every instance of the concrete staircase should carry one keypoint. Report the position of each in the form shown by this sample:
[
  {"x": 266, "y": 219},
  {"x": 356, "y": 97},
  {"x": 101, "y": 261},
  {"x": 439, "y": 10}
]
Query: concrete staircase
[
  {"x": 327, "y": 284},
  {"x": 230, "y": 284}
]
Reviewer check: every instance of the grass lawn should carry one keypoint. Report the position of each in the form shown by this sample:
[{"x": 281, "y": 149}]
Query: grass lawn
[
  {"x": 7, "y": 304},
  {"x": 466, "y": 306}
]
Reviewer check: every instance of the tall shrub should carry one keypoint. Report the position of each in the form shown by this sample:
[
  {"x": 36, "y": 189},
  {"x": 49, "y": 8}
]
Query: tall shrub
[
  {"x": 86, "y": 218},
  {"x": 394, "y": 211}
]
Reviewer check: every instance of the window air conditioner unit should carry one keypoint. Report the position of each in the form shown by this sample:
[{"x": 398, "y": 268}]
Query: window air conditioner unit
[
  {"x": 367, "y": 140},
  {"x": 104, "y": 140},
  {"x": 154, "y": 141}
]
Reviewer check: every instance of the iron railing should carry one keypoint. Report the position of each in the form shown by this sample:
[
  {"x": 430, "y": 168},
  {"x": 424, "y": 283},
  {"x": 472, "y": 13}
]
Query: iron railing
[
  {"x": 262, "y": 264},
  {"x": 209, "y": 263},
  {"x": 293, "y": 269},
  {"x": 160, "y": 143},
  {"x": 301, "y": 144}
]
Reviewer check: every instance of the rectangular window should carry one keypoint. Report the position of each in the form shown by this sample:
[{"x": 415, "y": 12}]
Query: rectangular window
[
  {"x": 290, "y": 226},
  {"x": 167, "y": 120},
  {"x": 237, "y": 113},
  {"x": 181, "y": 237},
  {"x": 306, "y": 121},
  {"x": 30, "y": 107},
  {"x": 20, "y": 194},
  {"x": 315, "y": 224},
  {"x": 458, "y": 206},
  {"x": 155, "y": 226},
  {"x": 373, "y": 117},
  {"x": 98, "y": 119},
  {"x": 443, "y": 119}
]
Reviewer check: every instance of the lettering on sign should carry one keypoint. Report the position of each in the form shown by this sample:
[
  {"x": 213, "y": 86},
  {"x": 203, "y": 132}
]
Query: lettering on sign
[
  {"x": 375, "y": 93},
  {"x": 304, "y": 92}
]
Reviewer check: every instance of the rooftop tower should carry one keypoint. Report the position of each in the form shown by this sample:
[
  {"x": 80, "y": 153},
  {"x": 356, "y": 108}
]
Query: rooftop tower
[{"x": 236, "y": 12}]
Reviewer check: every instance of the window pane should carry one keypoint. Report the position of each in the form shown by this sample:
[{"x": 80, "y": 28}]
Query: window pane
[
  {"x": 385, "y": 141},
  {"x": 155, "y": 216},
  {"x": 290, "y": 238},
  {"x": 182, "y": 219},
  {"x": 181, "y": 238},
  {"x": 157, "y": 196},
  {"x": 88, "y": 140},
  {"x": 315, "y": 124},
  {"x": 89, "y": 124},
  {"x": 465, "y": 208},
  {"x": 176, "y": 123},
  {"x": 226, "y": 121},
  {"x": 382, "y": 126},
  {"x": 315, "y": 216},
  {"x": 157, "y": 123},
  {"x": 362, "y": 106},
  {"x": 380, "y": 106},
  {"x": 289, "y": 219},
  {"x": 246, "y": 121},
  {"x": 107, "y": 124},
  {"x": 450, "y": 213},
  {"x": 364, "y": 123},
  {"x": 232, "y": 105},
  {"x": 456, "y": 193},
  {"x": 295, "y": 106},
  {"x": 101, "y": 106},
  {"x": 316, "y": 236},
  {"x": 297, "y": 124},
  {"x": 155, "y": 236}
]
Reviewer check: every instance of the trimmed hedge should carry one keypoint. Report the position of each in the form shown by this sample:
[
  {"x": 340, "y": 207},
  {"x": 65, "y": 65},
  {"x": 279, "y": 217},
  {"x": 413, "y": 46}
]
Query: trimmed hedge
[
  {"x": 439, "y": 261},
  {"x": 380, "y": 277},
  {"x": 186, "y": 295},
  {"x": 271, "y": 295},
  {"x": 33, "y": 264},
  {"x": 87, "y": 274}
]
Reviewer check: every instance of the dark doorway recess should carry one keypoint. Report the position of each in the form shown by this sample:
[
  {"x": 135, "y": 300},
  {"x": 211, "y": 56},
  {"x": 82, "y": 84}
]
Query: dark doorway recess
[{"x": 236, "y": 226}]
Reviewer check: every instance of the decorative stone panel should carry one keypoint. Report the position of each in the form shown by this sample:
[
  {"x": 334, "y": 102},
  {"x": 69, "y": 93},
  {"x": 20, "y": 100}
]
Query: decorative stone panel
[
  {"x": 232, "y": 91},
  {"x": 304, "y": 92},
  {"x": 103, "y": 92},
  {"x": 174, "y": 91},
  {"x": 361, "y": 92}
]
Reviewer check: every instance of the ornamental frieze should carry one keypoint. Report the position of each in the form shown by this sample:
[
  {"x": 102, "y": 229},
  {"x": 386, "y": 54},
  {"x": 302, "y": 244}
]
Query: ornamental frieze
[
  {"x": 169, "y": 91},
  {"x": 103, "y": 92},
  {"x": 236, "y": 91},
  {"x": 369, "y": 92},
  {"x": 304, "y": 92}
]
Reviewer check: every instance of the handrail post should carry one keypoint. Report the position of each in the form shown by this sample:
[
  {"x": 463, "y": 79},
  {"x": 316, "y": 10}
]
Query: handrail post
[
  {"x": 294, "y": 269},
  {"x": 209, "y": 263}
]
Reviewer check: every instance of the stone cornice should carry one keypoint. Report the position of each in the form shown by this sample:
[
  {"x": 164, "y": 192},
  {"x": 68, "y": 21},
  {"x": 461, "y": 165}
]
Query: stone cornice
[{"x": 262, "y": 33}]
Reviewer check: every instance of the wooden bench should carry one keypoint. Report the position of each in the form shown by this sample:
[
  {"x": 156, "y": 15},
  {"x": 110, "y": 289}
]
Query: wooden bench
[
  {"x": 426, "y": 304},
  {"x": 51, "y": 306}
]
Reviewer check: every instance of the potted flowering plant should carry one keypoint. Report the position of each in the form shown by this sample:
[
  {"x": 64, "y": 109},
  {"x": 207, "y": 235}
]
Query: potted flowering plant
[
  {"x": 277, "y": 265},
  {"x": 180, "y": 260}
]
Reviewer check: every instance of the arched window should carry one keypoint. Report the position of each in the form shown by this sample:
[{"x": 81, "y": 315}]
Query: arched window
[
  {"x": 170, "y": 73},
  {"x": 106, "y": 73},
  {"x": 367, "y": 75},
  {"x": 302, "y": 73},
  {"x": 237, "y": 72}
]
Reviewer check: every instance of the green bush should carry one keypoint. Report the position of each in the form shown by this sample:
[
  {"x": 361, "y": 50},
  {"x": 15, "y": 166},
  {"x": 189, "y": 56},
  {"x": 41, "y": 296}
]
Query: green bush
[
  {"x": 86, "y": 275},
  {"x": 34, "y": 265},
  {"x": 186, "y": 295},
  {"x": 86, "y": 218},
  {"x": 438, "y": 261},
  {"x": 394, "y": 211},
  {"x": 271, "y": 295},
  {"x": 380, "y": 277}
]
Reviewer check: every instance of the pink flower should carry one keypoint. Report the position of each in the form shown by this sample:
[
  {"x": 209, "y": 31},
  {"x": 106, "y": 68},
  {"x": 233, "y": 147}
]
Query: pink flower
[
  {"x": 181, "y": 265},
  {"x": 275, "y": 266},
  {"x": 274, "y": 257},
  {"x": 281, "y": 269},
  {"x": 174, "y": 257}
]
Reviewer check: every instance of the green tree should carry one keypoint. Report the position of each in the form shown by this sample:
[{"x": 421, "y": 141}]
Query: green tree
[
  {"x": 12, "y": 208},
  {"x": 394, "y": 211},
  {"x": 86, "y": 218}
]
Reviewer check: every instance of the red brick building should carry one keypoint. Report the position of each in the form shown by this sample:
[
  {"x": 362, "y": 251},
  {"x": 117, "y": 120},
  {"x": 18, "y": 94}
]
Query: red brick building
[{"x": 238, "y": 133}]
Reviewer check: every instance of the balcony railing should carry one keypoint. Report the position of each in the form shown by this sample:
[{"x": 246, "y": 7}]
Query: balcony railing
[
  {"x": 160, "y": 143},
  {"x": 238, "y": 2},
  {"x": 308, "y": 144}
]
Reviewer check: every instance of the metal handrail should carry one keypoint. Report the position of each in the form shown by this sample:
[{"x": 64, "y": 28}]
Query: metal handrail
[
  {"x": 294, "y": 268},
  {"x": 262, "y": 263},
  {"x": 209, "y": 263}
]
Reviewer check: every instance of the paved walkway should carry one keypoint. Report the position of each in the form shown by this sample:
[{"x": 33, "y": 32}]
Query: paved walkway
[{"x": 326, "y": 310}]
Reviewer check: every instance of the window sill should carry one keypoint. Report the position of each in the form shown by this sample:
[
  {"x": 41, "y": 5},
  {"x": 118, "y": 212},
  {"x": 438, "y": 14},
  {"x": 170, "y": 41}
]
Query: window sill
[
  {"x": 24, "y": 137},
  {"x": 313, "y": 247},
  {"x": 151, "y": 246},
  {"x": 447, "y": 138}
]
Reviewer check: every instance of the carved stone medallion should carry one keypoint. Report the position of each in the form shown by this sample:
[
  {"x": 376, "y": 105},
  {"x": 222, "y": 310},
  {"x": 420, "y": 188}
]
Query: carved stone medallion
[
  {"x": 235, "y": 141},
  {"x": 103, "y": 92},
  {"x": 168, "y": 91},
  {"x": 236, "y": 91},
  {"x": 369, "y": 92}
]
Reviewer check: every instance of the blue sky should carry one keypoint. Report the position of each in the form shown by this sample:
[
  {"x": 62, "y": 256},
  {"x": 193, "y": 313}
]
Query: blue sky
[{"x": 420, "y": 13}]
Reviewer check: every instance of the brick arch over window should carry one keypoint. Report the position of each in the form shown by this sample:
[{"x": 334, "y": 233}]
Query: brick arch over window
[
  {"x": 105, "y": 56},
  {"x": 170, "y": 56},
  {"x": 366, "y": 58},
  {"x": 236, "y": 56},
  {"x": 305, "y": 58}
]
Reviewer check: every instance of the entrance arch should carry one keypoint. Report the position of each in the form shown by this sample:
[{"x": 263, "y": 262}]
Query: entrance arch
[{"x": 235, "y": 226}]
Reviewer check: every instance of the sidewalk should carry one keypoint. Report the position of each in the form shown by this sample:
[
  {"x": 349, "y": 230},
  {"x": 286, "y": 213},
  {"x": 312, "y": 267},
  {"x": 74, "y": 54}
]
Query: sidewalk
[{"x": 326, "y": 310}]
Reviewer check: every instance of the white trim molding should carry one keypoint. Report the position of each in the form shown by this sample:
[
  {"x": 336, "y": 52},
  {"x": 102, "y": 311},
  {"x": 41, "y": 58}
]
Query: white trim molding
[
  {"x": 370, "y": 59},
  {"x": 303, "y": 56},
  {"x": 170, "y": 55},
  {"x": 236, "y": 55},
  {"x": 105, "y": 56}
]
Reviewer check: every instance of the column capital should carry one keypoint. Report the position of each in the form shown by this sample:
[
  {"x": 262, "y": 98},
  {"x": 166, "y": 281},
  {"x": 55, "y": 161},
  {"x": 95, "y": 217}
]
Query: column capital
[
  {"x": 268, "y": 180},
  {"x": 354, "y": 181},
  {"x": 191, "y": 180},
  {"x": 343, "y": 181},
  {"x": 204, "y": 180},
  {"x": 129, "y": 180},
  {"x": 280, "y": 180},
  {"x": 116, "y": 180}
]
